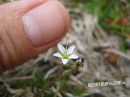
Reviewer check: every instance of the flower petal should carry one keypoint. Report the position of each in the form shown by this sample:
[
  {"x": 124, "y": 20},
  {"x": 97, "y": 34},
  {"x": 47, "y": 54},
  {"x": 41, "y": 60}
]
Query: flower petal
[
  {"x": 73, "y": 56},
  {"x": 64, "y": 61},
  {"x": 57, "y": 55},
  {"x": 61, "y": 48},
  {"x": 70, "y": 50}
]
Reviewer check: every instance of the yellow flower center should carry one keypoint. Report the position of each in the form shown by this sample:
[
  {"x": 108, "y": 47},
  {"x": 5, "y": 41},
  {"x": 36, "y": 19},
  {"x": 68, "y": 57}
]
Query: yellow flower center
[{"x": 65, "y": 56}]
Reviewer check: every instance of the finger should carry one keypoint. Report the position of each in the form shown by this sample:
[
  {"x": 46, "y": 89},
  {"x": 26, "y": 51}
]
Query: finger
[{"x": 29, "y": 27}]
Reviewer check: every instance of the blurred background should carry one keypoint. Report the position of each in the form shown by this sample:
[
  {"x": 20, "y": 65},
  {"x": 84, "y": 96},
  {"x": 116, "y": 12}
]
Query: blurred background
[{"x": 100, "y": 29}]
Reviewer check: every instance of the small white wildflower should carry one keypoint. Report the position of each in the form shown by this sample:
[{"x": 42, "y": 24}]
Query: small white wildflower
[{"x": 65, "y": 54}]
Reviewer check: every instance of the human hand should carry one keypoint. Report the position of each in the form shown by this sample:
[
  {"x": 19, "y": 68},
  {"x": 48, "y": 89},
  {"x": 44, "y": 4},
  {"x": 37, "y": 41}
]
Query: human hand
[{"x": 29, "y": 27}]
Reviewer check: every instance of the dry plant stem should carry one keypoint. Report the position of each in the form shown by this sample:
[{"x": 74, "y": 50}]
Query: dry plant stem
[
  {"x": 60, "y": 70},
  {"x": 57, "y": 89},
  {"x": 53, "y": 80},
  {"x": 73, "y": 70},
  {"x": 82, "y": 86},
  {"x": 19, "y": 78}
]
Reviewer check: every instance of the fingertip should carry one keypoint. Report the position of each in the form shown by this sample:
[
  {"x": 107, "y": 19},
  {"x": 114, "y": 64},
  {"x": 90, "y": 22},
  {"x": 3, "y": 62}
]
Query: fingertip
[{"x": 46, "y": 23}]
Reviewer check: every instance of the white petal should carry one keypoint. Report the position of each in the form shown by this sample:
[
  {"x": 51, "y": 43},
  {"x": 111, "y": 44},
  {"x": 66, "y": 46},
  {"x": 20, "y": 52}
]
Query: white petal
[
  {"x": 64, "y": 61},
  {"x": 73, "y": 56},
  {"x": 61, "y": 48},
  {"x": 57, "y": 55},
  {"x": 70, "y": 50}
]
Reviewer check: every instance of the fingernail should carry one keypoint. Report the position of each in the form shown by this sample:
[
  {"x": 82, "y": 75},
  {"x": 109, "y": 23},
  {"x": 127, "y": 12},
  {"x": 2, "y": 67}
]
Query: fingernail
[{"x": 45, "y": 23}]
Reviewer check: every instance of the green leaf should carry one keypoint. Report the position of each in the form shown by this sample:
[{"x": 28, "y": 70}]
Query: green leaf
[
  {"x": 115, "y": 27},
  {"x": 89, "y": 7},
  {"x": 108, "y": 9},
  {"x": 122, "y": 45},
  {"x": 128, "y": 1},
  {"x": 113, "y": 14},
  {"x": 49, "y": 94},
  {"x": 77, "y": 92},
  {"x": 64, "y": 84}
]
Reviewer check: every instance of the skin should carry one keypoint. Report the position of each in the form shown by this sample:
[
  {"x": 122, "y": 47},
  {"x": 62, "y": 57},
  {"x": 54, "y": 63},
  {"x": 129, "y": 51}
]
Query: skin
[{"x": 15, "y": 46}]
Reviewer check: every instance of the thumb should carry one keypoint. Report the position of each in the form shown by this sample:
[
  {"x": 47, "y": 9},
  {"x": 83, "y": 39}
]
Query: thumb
[{"x": 29, "y": 27}]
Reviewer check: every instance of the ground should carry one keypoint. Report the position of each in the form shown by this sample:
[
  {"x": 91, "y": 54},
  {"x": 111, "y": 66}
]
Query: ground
[{"x": 100, "y": 31}]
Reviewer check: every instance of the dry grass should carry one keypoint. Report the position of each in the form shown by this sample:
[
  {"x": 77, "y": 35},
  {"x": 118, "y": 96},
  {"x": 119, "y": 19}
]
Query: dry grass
[{"x": 92, "y": 45}]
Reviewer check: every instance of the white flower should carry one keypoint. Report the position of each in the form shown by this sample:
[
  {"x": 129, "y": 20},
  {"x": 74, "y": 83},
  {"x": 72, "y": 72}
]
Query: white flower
[{"x": 65, "y": 54}]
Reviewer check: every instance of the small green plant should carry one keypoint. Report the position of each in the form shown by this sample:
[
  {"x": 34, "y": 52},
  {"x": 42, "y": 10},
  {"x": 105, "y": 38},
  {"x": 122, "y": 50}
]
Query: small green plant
[{"x": 65, "y": 55}]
